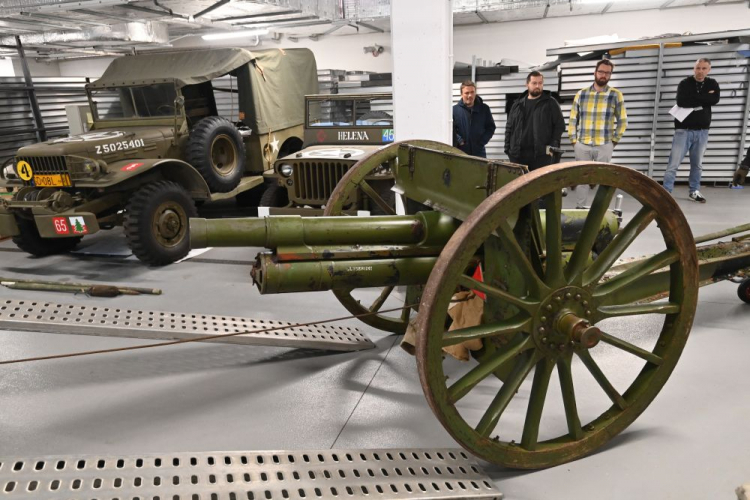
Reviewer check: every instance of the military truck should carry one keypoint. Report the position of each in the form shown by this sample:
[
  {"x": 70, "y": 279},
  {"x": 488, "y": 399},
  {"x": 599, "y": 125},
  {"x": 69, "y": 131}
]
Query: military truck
[
  {"x": 340, "y": 129},
  {"x": 157, "y": 148}
]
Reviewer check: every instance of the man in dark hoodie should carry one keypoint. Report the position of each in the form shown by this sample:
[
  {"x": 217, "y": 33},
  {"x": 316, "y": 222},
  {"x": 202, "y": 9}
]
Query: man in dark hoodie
[
  {"x": 698, "y": 92},
  {"x": 535, "y": 122},
  {"x": 473, "y": 125}
]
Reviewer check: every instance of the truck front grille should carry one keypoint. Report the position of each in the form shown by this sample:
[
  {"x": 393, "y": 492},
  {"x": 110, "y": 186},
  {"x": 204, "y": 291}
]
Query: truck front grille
[
  {"x": 45, "y": 165},
  {"x": 314, "y": 181}
]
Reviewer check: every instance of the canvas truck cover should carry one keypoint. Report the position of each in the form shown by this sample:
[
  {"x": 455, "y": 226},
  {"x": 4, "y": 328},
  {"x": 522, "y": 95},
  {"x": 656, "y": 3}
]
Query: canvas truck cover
[{"x": 279, "y": 79}]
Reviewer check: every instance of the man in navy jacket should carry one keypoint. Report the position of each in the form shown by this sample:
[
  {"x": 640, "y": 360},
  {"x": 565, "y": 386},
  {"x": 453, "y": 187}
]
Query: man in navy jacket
[{"x": 473, "y": 125}]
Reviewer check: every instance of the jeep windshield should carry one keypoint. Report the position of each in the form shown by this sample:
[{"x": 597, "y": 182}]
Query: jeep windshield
[
  {"x": 354, "y": 111},
  {"x": 141, "y": 101}
]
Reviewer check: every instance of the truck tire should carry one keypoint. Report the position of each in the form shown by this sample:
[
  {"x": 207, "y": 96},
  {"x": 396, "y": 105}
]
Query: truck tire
[
  {"x": 274, "y": 197},
  {"x": 31, "y": 242},
  {"x": 743, "y": 291},
  {"x": 156, "y": 222},
  {"x": 216, "y": 150}
]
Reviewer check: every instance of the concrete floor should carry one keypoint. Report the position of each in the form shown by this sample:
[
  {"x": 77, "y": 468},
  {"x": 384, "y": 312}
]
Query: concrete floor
[{"x": 690, "y": 443}]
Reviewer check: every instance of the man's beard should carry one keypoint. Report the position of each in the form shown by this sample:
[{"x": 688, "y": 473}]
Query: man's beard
[
  {"x": 602, "y": 82},
  {"x": 535, "y": 93}
]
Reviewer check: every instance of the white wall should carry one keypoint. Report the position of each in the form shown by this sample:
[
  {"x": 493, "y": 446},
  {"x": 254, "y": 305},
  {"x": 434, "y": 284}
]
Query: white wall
[
  {"x": 6, "y": 67},
  {"x": 35, "y": 68},
  {"x": 529, "y": 40},
  {"x": 519, "y": 40},
  {"x": 93, "y": 67}
]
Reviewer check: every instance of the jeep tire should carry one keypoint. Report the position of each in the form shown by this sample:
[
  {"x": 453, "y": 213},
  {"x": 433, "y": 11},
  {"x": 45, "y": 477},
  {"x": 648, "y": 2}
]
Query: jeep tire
[
  {"x": 274, "y": 197},
  {"x": 215, "y": 148},
  {"x": 156, "y": 222},
  {"x": 31, "y": 242}
]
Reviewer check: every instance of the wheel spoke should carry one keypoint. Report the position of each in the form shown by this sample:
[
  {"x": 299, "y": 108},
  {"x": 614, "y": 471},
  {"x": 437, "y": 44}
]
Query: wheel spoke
[
  {"x": 578, "y": 259},
  {"x": 405, "y": 313},
  {"x": 518, "y": 257},
  {"x": 472, "y": 284},
  {"x": 569, "y": 397},
  {"x": 374, "y": 196},
  {"x": 602, "y": 380},
  {"x": 619, "y": 244},
  {"x": 553, "y": 228},
  {"x": 467, "y": 382},
  {"x": 637, "y": 309},
  {"x": 381, "y": 299},
  {"x": 522, "y": 368},
  {"x": 518, "y": 323},
  {"x": 632, "y": 349},
  {"x": 536, "y": 403},
  {"x": 630, "y": 277}
]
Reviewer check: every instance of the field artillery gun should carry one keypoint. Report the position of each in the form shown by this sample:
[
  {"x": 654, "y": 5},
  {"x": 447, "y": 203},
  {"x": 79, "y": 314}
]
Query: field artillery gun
[{"x": 557, "y": 292}]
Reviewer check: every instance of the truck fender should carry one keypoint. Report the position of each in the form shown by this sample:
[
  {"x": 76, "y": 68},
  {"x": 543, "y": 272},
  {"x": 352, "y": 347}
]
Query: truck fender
[{"x": 170, "y": 169}]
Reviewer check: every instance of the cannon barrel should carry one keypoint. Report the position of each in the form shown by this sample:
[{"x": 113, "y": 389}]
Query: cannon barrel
[
  {"x": 329, "y": 253},
  {"x": 272, "y": 276},
  {"x": 290, "y": 231}
]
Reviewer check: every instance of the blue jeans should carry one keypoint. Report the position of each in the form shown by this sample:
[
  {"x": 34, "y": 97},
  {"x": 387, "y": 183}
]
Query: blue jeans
[{"x": 693, "y": 141}]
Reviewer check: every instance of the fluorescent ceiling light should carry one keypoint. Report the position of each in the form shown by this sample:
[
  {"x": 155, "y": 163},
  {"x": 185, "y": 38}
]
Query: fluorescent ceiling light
[{"x": 234, "y": 34}]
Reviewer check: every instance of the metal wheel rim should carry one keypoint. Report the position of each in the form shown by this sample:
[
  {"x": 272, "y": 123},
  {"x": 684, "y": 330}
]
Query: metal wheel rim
[
  {"x": 396, "y": 322},
  {"x": 169, "y": 212},
  {"x": 642, "y": 390},
  {"x": 223, "y": 155}
]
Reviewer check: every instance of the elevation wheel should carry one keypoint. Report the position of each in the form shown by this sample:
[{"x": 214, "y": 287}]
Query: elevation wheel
[{"x": 355, "y": 300}]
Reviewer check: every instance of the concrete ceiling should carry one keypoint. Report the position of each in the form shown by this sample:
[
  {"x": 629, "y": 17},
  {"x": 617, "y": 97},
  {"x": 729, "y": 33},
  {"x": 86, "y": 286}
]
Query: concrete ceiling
[{"x": 71, "y": 29}]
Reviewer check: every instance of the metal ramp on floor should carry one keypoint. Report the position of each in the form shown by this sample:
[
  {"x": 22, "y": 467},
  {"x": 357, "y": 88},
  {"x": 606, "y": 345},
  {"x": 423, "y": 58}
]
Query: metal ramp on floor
[
  {"x": 255, "y": 475},
  {"x": 49, "y": 317}
]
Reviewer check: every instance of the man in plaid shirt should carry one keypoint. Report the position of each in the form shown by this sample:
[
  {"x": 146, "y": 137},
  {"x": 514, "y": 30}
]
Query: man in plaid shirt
[{"x": 597, "y": 122}]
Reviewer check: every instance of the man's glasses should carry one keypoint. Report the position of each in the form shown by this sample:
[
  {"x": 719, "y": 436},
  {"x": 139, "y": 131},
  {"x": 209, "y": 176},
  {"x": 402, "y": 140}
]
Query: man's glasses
[{"x": 605, "y": 73}]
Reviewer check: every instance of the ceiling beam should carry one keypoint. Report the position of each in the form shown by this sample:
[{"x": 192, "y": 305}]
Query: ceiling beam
[
  {"x": 263, "y": 14},
  {"x": 288, "y": 20},
  {"x": 211, "y": 8},
  {"x": 60, "y": 18},
  {"x": 370, "y": 27}
]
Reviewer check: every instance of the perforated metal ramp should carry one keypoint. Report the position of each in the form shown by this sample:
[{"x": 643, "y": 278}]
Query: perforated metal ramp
[
  {"x": 49, "y": 317},
  {"x": 258, "y": 475}
]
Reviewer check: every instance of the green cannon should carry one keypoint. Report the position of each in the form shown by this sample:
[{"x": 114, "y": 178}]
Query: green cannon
[{"x": 559, "y": 290}]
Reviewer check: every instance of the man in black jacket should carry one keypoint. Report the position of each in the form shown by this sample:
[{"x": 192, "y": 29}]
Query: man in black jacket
[
  {"x": 535, "y": 122},
  {"x": 699, "y": 93},
  {"x": 473, "y": 126}
]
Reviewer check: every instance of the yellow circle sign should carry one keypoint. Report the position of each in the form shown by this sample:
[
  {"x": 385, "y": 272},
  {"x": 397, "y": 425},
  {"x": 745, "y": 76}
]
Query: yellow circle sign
[{"x": 24, "y": 170}]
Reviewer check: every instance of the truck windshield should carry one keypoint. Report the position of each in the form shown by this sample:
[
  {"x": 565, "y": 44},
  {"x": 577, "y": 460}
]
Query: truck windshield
[
  {"x": 354, "y": 112},
  {"x": 142, "y": 101}
]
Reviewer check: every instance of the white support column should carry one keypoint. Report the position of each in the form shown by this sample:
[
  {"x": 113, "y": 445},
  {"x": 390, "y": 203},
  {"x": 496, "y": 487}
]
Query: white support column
[{"x": 422, "y": 41}]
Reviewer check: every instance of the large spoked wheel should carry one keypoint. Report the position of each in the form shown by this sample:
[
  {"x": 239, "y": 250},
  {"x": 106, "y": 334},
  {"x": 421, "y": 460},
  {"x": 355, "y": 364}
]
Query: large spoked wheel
[
  {"x": 581, "y": 318},
  {"x": 353, "y": 181}
]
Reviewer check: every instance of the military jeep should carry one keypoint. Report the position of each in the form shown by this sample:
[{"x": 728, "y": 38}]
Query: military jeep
[
  {"x": 340, "y": 129},
  {"x": 157, "y": 148}
]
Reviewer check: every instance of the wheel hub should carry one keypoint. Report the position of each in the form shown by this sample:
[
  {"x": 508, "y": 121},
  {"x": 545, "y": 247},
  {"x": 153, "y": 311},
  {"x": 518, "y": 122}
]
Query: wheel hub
[
  {"x": 168, "y": 224},
  {"x": 562, "y": 322}
]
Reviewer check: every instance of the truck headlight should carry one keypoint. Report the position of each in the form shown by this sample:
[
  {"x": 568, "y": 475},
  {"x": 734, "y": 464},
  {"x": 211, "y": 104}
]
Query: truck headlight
[
  {"x": 91, "y": 167},
  {"x": 9, "y": 172},
  {"x": 286, "y": 170}
]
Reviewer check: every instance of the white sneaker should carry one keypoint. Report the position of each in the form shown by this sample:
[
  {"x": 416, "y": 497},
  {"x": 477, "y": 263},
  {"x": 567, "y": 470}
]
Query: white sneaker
[{"x": 697, "y": 196}]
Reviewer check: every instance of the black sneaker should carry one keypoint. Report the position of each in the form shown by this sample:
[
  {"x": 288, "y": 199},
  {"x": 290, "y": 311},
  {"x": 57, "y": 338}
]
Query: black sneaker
[{"x": 696, "y": 196}]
